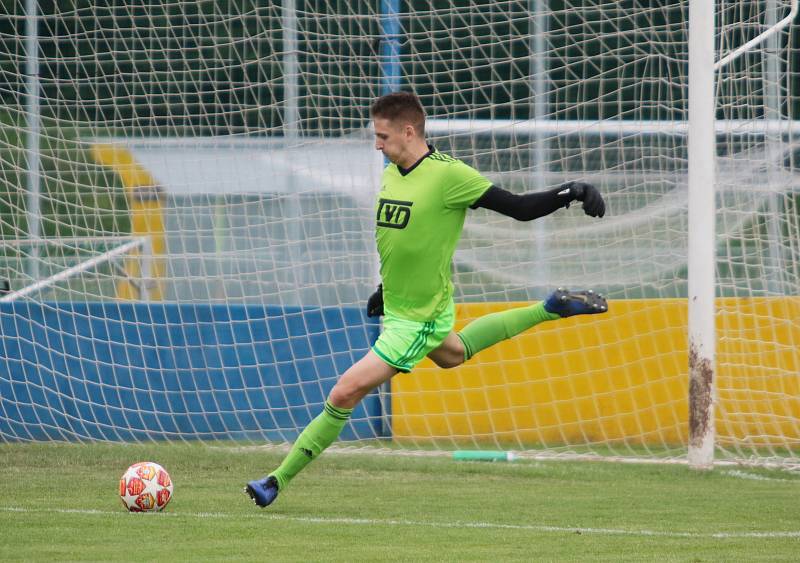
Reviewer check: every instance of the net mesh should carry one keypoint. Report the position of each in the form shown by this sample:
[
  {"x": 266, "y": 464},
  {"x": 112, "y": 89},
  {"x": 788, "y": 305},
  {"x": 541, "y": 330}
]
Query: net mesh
[{"x": 235, "y": 137}]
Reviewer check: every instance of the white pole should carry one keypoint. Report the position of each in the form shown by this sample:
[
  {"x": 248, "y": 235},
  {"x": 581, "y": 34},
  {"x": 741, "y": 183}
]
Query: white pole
[
  {"x": 145, "y": 268},
  {"x": 77, "y": 269},
  {"x": 32, "y": 110},
  {"x": 605, "y": 126},
  {"x": 702, "y": 255},
  {"x": 539, "y": 168},
  {"x": 793, "y": 11},
  {"x": 771, "y": 79},
  {"x": 291, "y": 131},
  {"x": 290, "y": 71}
]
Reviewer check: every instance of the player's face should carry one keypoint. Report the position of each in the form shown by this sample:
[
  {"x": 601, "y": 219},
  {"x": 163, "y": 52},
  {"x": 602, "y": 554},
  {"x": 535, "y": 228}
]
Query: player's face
[{"x": 392, "y": 139}]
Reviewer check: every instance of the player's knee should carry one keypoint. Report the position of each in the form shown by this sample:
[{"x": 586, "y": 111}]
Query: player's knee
[
  {"x": 346, "y": 394},
  {"x": 341, "y": 397}
]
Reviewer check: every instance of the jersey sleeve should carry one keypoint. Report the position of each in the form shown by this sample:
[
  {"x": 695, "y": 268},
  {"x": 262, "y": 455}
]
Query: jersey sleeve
[{"x": 464, "y": 186}]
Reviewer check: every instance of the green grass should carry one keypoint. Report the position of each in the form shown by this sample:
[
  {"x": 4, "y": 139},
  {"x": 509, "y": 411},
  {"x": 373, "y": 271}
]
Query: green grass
[{"x": 60, "y": 503}]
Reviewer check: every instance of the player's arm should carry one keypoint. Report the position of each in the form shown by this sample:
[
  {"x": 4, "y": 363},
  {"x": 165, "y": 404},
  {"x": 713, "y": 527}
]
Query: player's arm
[{"x": 526, "y": 207}]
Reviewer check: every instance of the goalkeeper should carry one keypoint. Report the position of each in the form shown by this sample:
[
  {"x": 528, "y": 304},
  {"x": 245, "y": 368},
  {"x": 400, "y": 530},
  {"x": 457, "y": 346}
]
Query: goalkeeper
[{"x": 420, "y": 213}]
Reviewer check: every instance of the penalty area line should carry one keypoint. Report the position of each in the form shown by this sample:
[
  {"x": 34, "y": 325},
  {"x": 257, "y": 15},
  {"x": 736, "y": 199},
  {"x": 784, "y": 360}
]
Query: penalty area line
[{"x": 413, "y": 523}]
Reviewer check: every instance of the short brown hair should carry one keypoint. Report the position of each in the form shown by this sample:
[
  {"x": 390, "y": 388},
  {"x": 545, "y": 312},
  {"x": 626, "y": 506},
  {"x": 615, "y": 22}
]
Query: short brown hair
[{"x": 400, "y": 106}]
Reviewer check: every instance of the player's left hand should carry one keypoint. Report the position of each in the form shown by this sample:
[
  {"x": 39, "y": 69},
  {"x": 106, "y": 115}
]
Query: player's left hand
[
  {"x": 593, "y": 204},
  {"x": 375, "y": 303}
]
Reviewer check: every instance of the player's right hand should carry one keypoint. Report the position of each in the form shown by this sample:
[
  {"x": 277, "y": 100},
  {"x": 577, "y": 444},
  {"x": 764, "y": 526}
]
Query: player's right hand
[
  {"x": 593, "y": 204},
  {"x": 375, "y": 303}
]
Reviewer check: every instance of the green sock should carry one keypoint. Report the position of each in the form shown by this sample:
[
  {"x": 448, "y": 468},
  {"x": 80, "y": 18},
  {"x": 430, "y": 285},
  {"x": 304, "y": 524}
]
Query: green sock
[
  {"x": 490, "y": 329},
  {"x": 318, "y": 435}
]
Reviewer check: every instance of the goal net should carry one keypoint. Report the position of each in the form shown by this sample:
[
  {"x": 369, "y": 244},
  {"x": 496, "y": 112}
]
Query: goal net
[{"x": 235, "y": 138}]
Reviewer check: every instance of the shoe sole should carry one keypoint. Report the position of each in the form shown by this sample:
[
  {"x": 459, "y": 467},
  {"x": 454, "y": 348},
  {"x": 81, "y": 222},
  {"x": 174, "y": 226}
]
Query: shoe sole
[
  {"x": 248, "y": 490},
  {"x": 596, "y": 302}
]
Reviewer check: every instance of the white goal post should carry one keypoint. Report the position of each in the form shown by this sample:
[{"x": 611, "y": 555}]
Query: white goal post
[
  {"x": 232, "y": 141},
  {"x": 120, "y": 247}
]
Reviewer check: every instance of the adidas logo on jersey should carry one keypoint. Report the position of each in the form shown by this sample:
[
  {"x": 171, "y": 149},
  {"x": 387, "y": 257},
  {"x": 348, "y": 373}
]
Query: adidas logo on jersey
[{"x": 441, "y": 157}]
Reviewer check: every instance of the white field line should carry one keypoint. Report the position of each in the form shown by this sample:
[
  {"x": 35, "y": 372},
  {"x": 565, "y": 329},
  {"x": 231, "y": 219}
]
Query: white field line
[
  {"x": 755, "y": 476},
  {"x": 411, "y": 523}
]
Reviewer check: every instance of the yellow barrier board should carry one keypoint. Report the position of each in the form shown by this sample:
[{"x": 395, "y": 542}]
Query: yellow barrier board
[
  {"x": 145, "y": 202},
  {"x": 622, "y": 376}
]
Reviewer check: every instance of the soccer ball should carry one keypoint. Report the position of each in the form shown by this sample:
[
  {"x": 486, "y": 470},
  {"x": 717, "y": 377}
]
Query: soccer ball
[{"x": 145, "y": 487}]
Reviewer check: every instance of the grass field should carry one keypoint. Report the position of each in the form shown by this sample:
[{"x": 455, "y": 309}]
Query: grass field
[{"x": 60, "y": 503}]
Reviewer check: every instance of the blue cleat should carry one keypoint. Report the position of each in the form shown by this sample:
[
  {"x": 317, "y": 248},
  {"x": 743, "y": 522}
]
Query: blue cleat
[
  {"x": 263, "y": 491},
  {"x": 567, "y": 303}
]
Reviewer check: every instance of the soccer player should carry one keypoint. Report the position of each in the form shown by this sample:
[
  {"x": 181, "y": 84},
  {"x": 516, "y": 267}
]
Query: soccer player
[{"x": 420, "y": 213}]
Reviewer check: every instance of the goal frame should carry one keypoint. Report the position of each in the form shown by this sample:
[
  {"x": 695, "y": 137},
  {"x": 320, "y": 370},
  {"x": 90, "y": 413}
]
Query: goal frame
[
  {"x": 128, "y": 245},
  {"x": 701, "y": 130}
]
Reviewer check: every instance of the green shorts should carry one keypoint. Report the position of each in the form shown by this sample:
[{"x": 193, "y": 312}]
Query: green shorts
[{"x": 403, "y": 343}]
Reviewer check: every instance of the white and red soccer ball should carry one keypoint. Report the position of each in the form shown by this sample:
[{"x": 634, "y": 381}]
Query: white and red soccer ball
[{"x": 145, "y": 487}]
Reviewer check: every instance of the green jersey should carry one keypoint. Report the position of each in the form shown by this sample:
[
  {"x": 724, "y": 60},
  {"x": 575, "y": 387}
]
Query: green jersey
[{"x": 420, "y": 214}]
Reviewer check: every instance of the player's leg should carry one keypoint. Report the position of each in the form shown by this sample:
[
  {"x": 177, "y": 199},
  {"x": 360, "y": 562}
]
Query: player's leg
[
  {"x": 361, "y": 378},
  {"x": 401, "y": 345},
  {"x": 450, "y": 353},
  {"x": 490, "y": 329},
  {"x": 364, "y": 376}
]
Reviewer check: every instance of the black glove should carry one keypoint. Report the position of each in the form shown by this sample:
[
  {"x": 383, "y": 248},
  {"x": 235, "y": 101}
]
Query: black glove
[
  {"x": 593, "y": 203},
  {"x": 375, "y": 303}
]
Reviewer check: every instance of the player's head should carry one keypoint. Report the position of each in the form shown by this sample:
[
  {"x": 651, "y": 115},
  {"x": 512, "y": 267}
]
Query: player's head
[{"x": 399, "y": 122}]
